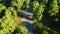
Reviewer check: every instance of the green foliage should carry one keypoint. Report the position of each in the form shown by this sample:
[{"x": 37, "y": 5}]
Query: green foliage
[
  {"x": 14, "y": 12},
  {"x": 37, "y": 10},
  {"x": 21, "y": 29},
  {"x": 45, "y": 32},
  {"x": 17, "y": 3},
  {"x": 26, "y": 2},
  {"x": 44, "y": 1},
  {"x": 44, "y": 27},
  {"x": 47, "y": 12},
  {"x": 41, "y": 25},
  {"x": 34, "y": 5},
  {"x": 54, "y": 8},
  {"x": 7, "y": 23},
  {"x": 2, "y": 7}
]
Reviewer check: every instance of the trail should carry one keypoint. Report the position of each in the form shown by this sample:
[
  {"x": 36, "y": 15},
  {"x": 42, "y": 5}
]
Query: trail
[
  {"x": 27, "y": 20},
  {"x": 29, "y": 26}
]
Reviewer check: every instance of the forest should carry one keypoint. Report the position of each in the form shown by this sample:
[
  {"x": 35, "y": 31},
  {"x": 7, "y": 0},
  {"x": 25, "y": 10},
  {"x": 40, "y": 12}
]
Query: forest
[{"x": 29, "y": 16}]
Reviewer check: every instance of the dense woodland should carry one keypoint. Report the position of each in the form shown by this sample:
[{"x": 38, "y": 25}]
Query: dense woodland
[{"x": 45, "y": 18}]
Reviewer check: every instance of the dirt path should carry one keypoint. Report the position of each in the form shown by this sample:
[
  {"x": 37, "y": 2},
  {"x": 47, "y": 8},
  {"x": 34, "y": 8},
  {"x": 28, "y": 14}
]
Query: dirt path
[{"x": 29, "y": 26}]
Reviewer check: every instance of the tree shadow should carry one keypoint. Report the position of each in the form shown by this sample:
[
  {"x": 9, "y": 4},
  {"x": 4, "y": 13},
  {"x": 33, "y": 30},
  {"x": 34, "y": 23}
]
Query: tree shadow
[
  {"x": 50, "y": 20},
  {"x": 29, "y": 26},
  {"x": 2, "y": 13}
]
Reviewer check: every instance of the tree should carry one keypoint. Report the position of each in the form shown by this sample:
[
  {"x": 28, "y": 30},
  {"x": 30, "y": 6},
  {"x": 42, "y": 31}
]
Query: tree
[
  {"x": 37, "y": 10},
  {"x": 8, "y": 21},
  {"x": 54, "y": 8},
  {"x": 34, "y": 5},
  {"x": 7, "y": 25},
  {"x": 17, "y": 3}
]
